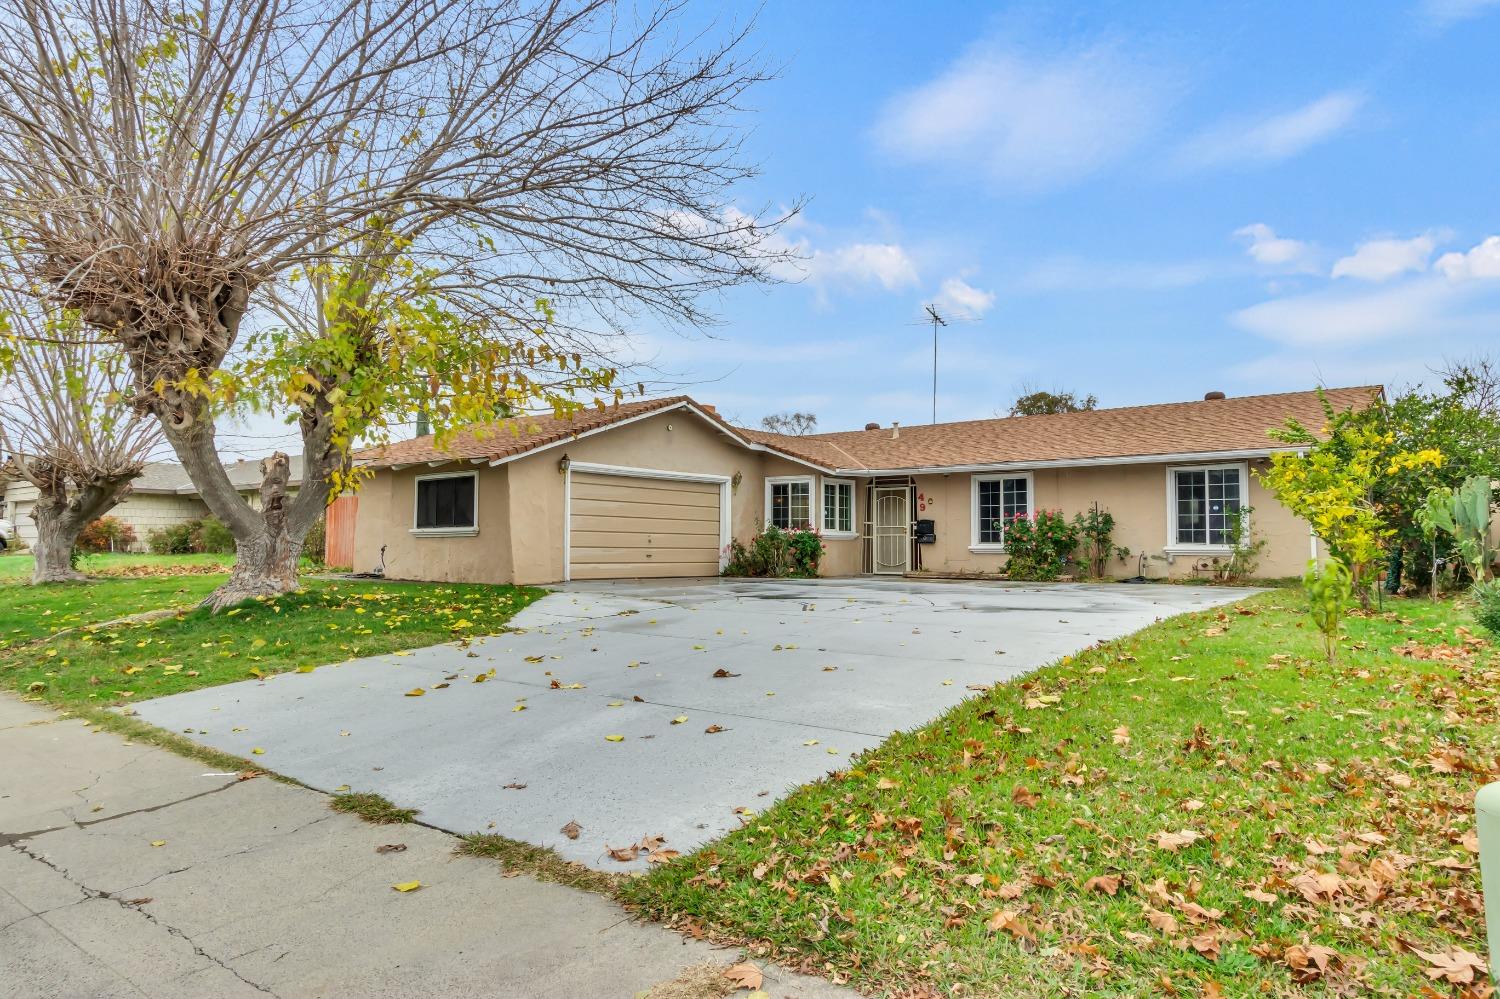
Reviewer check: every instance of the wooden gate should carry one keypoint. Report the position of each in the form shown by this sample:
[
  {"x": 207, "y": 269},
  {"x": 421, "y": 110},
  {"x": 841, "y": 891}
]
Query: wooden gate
[{"x": 339, "y": 547}]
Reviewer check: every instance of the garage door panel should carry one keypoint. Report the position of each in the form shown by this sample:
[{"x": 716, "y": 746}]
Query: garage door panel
[{"x": 630, "y": 526}]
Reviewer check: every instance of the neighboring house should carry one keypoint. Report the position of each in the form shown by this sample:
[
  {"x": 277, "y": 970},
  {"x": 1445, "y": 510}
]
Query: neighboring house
[
  {"x": 162, "y": 496},
  {"x": 658, "y": 488}
]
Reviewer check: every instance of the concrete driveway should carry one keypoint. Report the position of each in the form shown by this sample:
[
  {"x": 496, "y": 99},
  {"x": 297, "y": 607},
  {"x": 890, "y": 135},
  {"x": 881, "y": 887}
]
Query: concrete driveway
[{"x": 599, "y": 710}]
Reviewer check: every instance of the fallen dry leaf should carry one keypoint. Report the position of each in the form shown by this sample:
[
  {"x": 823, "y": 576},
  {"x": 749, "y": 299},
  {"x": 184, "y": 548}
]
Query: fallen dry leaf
[
  {"x": 1109, "y": 884},
  {"x": 571, "y": 830},
  {"x": 406, "y": 886},
  {"x": 391, "y": 848},
  {"x": 1457, "y": 966},
  {"x": 744, "y": 976},
  {"x": 1174, "y": 841}
]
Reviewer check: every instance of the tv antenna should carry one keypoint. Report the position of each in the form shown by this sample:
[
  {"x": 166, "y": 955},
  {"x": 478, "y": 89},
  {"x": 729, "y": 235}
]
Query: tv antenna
[{"x": 937, "y": 321}]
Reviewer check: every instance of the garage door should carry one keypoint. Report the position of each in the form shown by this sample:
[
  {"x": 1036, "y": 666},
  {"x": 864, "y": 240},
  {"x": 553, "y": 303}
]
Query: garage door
[{"x": 626, "y": 526}]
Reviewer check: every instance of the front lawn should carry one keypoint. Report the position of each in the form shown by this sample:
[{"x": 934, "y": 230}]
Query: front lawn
[
  {"x": 17, "y": 567},
  {"x": 327, "y": 621},
  {"x": 1204, "y": 808}
]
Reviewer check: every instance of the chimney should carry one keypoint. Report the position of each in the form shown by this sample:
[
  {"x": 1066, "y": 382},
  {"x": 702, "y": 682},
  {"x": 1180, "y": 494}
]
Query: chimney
[
  {"x": 872, "y": 426},
  {"x": 895, "y": 431},
  {"x": 1211, "y": 396},
  {"x": 710, "y": 410}
]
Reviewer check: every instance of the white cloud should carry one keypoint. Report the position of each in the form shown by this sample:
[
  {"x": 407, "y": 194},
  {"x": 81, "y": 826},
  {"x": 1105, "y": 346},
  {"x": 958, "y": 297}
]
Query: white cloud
[
  {"x": 1033, "y": 123},
  {"x": 1270, "y": 250},
  {"x": 1445, "y": 12},
  {"x": 1483, "y": 261},
  {"x": 1424, "y": 307},
  {"x": 1383, "y": 259},
  {"x": 1275, "y": 137},
  {"x": 885, "y": 264},
  {"x": 958, "y": 296}
]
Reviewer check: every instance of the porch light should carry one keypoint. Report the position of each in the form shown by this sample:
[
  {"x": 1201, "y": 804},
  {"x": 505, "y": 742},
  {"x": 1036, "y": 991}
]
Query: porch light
[
  {"x": 563, "y": 463},
  {"x": 737, "y": 479}
]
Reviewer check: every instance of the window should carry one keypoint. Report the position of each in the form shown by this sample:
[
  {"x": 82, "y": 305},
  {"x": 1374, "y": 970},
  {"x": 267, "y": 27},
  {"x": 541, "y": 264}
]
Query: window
[
  {"x": 997, "y": 500},
  {"x": 838, "y": 507},
  {"x": 1202, "y": 502},
  {"x": 446, "y": 503},
  {"x": 789, "y": 503}
]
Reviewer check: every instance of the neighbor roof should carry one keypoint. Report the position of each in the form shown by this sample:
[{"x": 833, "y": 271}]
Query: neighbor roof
[
  {"x": 1209, "y": 426},
  {"x": 1215, "y": 426},
  {"x": 169, "y": 477}
]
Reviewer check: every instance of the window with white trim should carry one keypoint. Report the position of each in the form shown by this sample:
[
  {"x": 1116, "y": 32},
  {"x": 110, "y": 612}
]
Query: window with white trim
[
  {"x": 996, "y": 501},
  {"x": 789, "y": 503},
  {"x": 1203, "y": 501},
  {"x": 446, "y": 502},
  {"x": 838, "y": 506}
]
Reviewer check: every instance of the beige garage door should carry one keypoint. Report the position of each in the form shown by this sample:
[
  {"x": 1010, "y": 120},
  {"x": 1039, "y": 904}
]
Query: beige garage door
[{"x": 621, "y": 527}]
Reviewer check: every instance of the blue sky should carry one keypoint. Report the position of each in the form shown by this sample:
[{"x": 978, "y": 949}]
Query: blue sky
[{"x": 1140, "y": 201}]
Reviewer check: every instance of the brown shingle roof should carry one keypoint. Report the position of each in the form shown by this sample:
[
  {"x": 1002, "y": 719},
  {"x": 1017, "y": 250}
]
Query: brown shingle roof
[
  {"x": 1177, "y": 428},
  {"x": 1216, "y": 425},
  {"x": 508, "y": 438}
]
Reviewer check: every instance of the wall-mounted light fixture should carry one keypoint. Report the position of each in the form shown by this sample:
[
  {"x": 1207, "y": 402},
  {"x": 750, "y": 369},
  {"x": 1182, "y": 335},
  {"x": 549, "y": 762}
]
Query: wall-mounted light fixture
[
  {"x": 563, "y": 463},
  {"x": 738, "y": 478}
]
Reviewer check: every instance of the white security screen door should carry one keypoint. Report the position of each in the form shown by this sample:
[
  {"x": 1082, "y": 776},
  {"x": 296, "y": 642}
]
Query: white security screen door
[{"x": 892, "y": 529}]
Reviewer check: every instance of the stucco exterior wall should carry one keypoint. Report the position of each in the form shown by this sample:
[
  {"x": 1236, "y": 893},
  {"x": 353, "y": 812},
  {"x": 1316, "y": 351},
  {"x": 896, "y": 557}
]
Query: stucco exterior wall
[
  {"x": 1136, "y": 495},
  {"x": 669, "y": 442},
  {"x": 386, "y": 515}
]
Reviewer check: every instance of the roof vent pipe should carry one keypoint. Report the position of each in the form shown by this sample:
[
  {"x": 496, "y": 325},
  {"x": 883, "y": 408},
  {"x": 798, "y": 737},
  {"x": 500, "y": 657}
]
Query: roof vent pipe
[
  {"x": 872, "y": 426},
  {"x": 895, "y": 430},
  {"x": 1211, "y": 396}
]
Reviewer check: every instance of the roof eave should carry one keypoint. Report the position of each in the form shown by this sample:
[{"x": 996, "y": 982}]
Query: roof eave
[{"x": 1133, "y": 459}]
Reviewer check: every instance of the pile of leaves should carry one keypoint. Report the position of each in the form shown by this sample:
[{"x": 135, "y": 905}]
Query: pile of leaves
[{"x": 1204, "y": 808}]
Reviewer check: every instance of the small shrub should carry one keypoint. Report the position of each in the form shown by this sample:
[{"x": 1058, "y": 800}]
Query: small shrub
[
  {"x": 1330, "y": 589},
  {"x": 1486, "y": 597},
  {"x": 1246, "y": 547},
  {"x": 212, "y": 536},
  {"x": 776, "y": 554},
  {"x": 175, "y": 539},
  {"x": 1039, "y": 546},
  {"x": 315, "y": 544},
  {"x": 107, "y": 534}
]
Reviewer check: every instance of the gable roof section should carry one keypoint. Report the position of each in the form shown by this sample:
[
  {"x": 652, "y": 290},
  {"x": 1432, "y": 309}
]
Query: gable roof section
[
  {"x": 1211, "y": 426},
  {"x": 505, "y": 440}
]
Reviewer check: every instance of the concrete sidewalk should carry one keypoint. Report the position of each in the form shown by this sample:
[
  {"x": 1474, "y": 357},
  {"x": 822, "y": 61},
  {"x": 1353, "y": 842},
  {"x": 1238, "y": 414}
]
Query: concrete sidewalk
[{"x": 128, "y": 871}]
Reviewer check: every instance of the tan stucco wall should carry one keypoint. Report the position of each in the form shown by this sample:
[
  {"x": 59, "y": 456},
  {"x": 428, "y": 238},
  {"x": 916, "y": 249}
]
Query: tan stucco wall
[
  {"x": 386, "y": 516},
  {"x": 1137, "y": 497}
]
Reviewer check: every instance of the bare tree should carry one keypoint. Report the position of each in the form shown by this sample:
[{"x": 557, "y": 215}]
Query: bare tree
[
  {"x": 1475, "y": 380},
  {"x": 532, "y": 174},
  {"x": 67, "y": 429},
  {"x": 795, "y": 424}
]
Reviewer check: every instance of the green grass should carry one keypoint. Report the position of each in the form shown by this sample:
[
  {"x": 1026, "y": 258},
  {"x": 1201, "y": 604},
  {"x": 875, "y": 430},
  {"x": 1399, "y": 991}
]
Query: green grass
[
  {"x": 28, "y": 612},
  {"x": 538, "y": 861},
  {"x": 372, "y": 808},
  {"x": 957, "y": 859},
  {"x": 325, "y": 622}
]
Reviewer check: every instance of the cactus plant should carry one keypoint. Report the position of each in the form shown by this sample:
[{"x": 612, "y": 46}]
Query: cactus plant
[{"x": 1464, "y": 513}]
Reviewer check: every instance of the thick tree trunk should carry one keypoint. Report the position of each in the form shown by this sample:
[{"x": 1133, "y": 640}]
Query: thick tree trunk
[{"x": 61, "y": 517}]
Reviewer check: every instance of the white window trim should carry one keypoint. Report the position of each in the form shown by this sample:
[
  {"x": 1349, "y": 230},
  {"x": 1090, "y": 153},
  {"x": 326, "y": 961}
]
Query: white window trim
[
  {"x": 828, "y": 532},
  {"x": 444, "y": 532},
  {"x": 1172, "y": 547},
  {"x": 814, "y": 508},
  {"x": 975, "y": 545}
]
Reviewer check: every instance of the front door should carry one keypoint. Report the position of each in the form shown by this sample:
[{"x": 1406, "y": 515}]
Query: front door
[{"x": 892, "y": 524}]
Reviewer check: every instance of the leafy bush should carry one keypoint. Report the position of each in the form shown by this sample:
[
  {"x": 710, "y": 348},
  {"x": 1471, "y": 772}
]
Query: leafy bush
[
  {"x": 107, "y": 534},
  {"x": 1486, "y": 597},
  {"x": 1095, "y": 530},
  {"x": 213, "y": 536},
  {"x": 776, "y": 554},
  {"x": 1039, "y": 546},
  {"x": 1245, "y": 546},
  {"x": 175, "y": 539},
  {"x": 315, "y": 545},
  {"x": 1330, "y": 589}
]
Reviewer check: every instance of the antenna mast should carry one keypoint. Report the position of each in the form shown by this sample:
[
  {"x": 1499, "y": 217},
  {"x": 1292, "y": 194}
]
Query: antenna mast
[{"x": 937, "y": 321}]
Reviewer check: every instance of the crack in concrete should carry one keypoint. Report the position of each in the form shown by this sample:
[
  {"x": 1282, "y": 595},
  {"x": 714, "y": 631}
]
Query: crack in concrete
[
  {"x": 95, "y": 893},
  {"x": 10, "y": 839}
]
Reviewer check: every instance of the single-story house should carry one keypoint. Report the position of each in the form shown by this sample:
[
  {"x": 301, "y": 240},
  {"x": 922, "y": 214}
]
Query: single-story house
[
  {"x": 161, "y": 496},
  {"x": 658, "y": 488}
]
